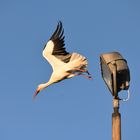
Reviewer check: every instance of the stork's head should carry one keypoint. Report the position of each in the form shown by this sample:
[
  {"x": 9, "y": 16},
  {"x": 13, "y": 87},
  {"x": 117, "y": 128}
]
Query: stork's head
[{"x": 39, "y": 88}]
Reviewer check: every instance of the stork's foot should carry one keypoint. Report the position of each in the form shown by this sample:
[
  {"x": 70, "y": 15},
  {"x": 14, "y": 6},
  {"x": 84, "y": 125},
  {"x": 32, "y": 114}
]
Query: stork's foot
[
  {"x": 86, "y": 76},
  {"x": 88, "y": 72}
]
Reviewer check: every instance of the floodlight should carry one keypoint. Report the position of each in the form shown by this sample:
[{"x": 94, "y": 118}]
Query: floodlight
[{"x": 115, "y": 72}]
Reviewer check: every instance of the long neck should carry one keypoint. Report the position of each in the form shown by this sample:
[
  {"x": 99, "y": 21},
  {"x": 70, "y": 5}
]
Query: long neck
[{"x": 45, "y": 85}]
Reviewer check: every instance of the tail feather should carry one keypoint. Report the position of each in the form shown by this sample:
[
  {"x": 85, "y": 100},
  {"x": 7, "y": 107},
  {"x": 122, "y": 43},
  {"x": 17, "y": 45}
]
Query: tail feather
[{"x": 77, "y": 61}]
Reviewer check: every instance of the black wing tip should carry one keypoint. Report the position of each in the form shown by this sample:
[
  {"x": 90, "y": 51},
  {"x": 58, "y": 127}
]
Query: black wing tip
[
  {"x": 59, "y": 22},
  {"x": 59, "y": 31}
]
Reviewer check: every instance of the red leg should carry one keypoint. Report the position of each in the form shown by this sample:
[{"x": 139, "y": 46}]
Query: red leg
[
  {"x": 86, "y": 76},
  {"x": 80, "y": 70}
]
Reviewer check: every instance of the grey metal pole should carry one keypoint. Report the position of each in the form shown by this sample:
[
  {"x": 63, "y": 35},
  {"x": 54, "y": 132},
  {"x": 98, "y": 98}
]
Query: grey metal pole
[{"x": 116, "y": 121}]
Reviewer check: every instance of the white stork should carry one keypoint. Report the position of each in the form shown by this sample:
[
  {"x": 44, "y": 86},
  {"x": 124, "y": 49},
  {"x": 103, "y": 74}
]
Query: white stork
[{"x": 65, "y": 65}]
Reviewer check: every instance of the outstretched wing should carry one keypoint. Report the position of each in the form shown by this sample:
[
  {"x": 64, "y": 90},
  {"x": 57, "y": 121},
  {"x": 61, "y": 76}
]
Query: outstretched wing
[{"x": 54, "y": 51}]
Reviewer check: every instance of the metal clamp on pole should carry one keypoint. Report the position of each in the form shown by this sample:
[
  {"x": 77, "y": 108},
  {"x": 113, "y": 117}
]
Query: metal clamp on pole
[{"x": 116, "y": 105}]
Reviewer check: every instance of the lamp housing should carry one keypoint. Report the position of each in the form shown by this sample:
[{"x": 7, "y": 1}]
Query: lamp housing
[{"x": 115, "y": 72}]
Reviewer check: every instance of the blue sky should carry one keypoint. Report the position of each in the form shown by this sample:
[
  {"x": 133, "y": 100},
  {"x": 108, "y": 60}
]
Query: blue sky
[{"x": 76, "y": 108}]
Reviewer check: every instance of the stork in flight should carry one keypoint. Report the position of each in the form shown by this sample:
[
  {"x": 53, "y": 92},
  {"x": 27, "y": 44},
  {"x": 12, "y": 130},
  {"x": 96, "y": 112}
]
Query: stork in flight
[{"x": 64, "y": 64}]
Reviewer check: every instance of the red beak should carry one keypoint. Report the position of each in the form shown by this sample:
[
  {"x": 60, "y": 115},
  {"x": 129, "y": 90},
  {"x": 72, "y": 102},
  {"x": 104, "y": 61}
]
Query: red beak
[{"x": 36, "y": 92}]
